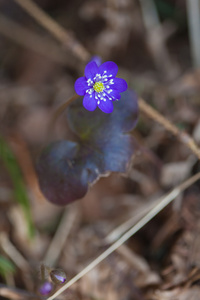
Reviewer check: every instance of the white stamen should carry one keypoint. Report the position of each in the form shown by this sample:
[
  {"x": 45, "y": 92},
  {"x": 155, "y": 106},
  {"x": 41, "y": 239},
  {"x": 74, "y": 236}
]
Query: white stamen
[
  {"x": 98, "y": 76},
  {"x": 89, "y": 91},
  {"x": 90, "y": 82}
]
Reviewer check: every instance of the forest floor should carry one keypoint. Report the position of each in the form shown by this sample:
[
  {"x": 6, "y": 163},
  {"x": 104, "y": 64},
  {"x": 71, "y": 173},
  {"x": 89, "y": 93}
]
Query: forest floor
[{"x": 39, "y": 65}]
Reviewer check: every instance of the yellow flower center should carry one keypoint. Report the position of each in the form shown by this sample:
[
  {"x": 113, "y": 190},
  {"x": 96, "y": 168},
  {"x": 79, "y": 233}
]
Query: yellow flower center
[{"x": 98, "y": 87}]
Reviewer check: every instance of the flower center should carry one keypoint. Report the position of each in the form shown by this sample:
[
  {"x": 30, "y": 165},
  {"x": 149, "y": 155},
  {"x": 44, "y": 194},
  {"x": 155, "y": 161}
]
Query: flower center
[{"x": 98, "y": 87}]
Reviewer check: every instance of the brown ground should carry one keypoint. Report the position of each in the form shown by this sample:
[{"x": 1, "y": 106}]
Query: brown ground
[{"x": 37, "y": 74}]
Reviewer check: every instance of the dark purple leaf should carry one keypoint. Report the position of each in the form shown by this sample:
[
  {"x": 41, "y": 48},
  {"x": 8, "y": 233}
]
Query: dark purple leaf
[{"x": 66, "y": 168}]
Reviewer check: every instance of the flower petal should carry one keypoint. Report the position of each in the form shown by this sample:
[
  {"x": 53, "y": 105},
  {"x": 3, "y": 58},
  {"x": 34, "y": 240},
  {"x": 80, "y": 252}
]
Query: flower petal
[
  {"x": 90, "y": 103},
  {"x": 110, "y": 67},
  {"x": 119, "y": 84},
  {"x": 115, "y": 95},
  {"x": 91, "y": 70},
  {"x": 81, "y": 86},
  {"x": 106, "y": 106}
]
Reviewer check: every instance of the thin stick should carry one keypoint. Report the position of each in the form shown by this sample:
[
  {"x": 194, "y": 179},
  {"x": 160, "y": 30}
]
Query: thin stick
[
  {"x": 182, "y": 136},
  {"x": 29, "y": 39},
  {"x": 13, "y": 253},
  {"x": 151, "y": 214},
  {"x": 52, "y": 26},
  {"x": 122, "y": 228},
  {"x": 156, "y": 40}
]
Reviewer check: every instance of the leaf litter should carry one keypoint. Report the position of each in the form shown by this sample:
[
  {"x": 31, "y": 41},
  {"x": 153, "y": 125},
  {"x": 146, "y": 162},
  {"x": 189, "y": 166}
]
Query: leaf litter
[{"x": 162, "y": 260}]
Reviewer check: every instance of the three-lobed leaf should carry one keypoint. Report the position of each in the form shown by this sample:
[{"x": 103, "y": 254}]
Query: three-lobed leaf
[{"x": 103, "y": 144}]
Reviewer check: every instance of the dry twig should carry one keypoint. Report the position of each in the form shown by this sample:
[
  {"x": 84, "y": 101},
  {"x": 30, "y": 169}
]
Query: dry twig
[
  {"x": 122, "y": 228},
  {"x": 31, "y": 40},
  {"x": 182, "y": 136},
  {"x": 13, "y": 253},
  {"x": 56, "y": 30}
]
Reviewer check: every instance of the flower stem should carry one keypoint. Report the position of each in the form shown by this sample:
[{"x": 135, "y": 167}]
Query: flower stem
[
  {"x": 61, "y": 109},
  {"x": 43, "y": 272}
]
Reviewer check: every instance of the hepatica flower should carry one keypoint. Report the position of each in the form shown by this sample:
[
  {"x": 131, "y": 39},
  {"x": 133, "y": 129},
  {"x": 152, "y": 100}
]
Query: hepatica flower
[{"x": 100, "y": 87}]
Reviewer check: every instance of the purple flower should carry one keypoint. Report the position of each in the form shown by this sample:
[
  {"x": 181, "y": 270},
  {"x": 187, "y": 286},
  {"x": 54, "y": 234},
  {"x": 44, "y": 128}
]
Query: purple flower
[
  {"x": 100, "y": 87},
  {"x": 45, "y": 288}
]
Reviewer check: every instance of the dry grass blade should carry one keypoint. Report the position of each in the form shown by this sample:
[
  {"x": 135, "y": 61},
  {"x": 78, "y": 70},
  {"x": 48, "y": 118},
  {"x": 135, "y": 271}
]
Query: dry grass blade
[
  {"x": 25, "y": 162},
  {"x": 151, "y": 214},
  {"x": 155, "y": 40},
  {"x": 59, "y": 239},
  {"x": 29, "y": 39},
  {"x": 193, "y": 10},
  {"x": 13, "y": 253},
  {"x": 122, "y": 228}
]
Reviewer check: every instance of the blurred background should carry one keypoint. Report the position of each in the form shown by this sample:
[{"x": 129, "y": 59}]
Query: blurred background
[{"x": 156, "y": 44}]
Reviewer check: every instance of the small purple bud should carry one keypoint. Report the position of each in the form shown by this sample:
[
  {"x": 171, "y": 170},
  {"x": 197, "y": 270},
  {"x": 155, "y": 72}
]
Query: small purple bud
[
  {"x": 58, "y": 276},
  {"x": 97, "y": 59},
  {"x": 45, "y": 288}
]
